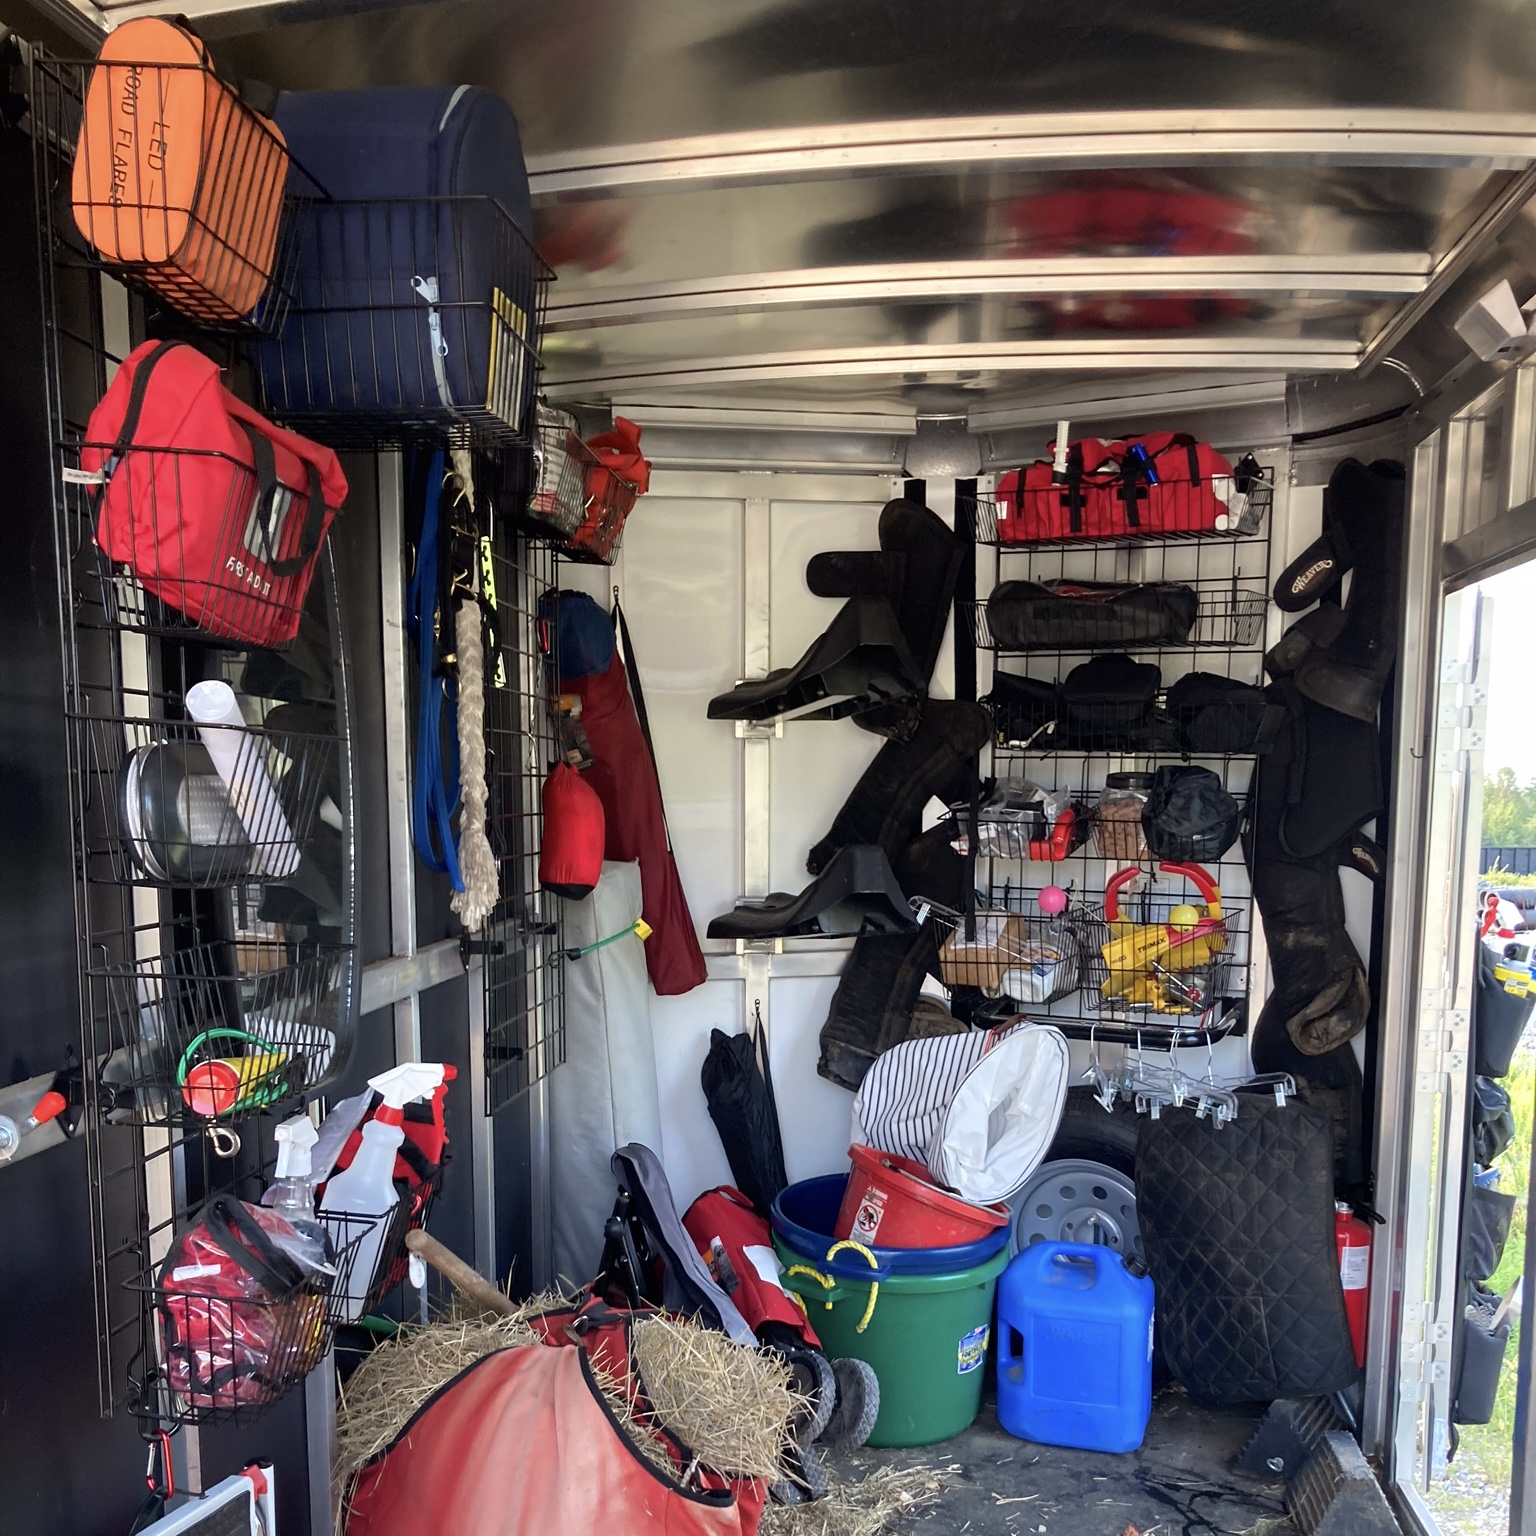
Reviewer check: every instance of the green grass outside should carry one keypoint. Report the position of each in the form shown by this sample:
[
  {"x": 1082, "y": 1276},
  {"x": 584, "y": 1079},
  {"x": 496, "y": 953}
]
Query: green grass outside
[{"x": 1497, "y": 876}]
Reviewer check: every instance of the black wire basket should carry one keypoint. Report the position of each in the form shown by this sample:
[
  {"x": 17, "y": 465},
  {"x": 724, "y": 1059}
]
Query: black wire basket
[
  {"x": 410, "y": 317},
  {"x": 218, "y": 1032},
  {"x": 163, "y": 815},
  {"x": 205, "y": 218},
  {"x": 1032, "y": 958},
  {"x": 223, "y": 1357},
  {"x": 1229, "y": 614}
]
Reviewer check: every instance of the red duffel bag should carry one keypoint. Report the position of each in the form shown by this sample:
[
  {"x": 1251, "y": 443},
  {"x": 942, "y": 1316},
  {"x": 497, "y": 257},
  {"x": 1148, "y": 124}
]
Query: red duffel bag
[
  {"x": 1149, "y": 486},
  {"x": 217, "y": 512},
  {"x": 1033, "y": 504}
]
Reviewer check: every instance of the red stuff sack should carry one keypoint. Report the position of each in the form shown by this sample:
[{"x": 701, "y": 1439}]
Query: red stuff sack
[
  {"x": 615, "y": 477},
  {"x": 239, "y": 1320},
  {"x": 1033, "y": 505},
  {"x": 571, "y": 855},
  {"x": 217, "y": 512}
]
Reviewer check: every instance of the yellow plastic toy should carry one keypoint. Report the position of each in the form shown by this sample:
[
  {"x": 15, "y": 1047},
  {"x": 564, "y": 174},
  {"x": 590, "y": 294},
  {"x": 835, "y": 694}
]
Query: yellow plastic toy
[{"x": 1140, "y": 956}]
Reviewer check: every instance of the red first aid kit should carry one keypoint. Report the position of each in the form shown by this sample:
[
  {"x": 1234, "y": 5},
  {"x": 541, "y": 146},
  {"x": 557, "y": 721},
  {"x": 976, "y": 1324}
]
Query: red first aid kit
[
  {"x": 217, "y": 512},
  {"x": 1149, "y": 486},
  {"x": 615, "y": 476},
  {"x": 239, "y": 1320}
]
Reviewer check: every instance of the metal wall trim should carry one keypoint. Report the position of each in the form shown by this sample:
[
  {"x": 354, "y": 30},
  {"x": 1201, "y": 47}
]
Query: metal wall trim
[
  {"x": 1119, "y": 354},
  {"x": 399, "y": 979},
  {"x": 1406, "y": 841},
  {"x": 1049, "y": 141},
  {"x": 1373, "y": 274},
  {"x": 397, "y": 755}
]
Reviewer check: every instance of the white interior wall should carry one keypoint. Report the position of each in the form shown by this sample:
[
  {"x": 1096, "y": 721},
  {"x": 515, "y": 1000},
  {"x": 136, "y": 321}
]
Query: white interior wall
[{"x": 682, "y": 579}]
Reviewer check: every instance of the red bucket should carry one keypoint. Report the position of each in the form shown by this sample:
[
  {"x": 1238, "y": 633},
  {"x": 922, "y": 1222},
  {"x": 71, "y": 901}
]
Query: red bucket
[{"x": 893, "y": 1202}]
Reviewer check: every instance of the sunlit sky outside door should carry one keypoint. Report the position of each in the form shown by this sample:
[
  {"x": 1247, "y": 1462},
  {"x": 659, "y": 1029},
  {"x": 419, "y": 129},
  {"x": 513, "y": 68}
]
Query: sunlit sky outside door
[{"x": 1511, "y": 739}]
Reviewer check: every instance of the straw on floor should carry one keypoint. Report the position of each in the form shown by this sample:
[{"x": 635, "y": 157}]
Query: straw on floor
[{"x": 878, "y": 1503}]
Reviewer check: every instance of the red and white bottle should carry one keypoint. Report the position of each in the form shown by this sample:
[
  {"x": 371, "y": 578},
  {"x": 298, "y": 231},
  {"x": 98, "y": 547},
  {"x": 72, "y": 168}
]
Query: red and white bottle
[{"x": 1353, "y": 1237}]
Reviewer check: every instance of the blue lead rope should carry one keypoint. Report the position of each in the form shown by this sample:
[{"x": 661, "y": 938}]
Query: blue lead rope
[{"x": 435, "y": 793}]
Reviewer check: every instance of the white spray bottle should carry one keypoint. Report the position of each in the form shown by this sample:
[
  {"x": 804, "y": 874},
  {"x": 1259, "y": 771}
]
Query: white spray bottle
[
  {"x": 366, "y": 1188},
  {"x": 291, "y": 1194}
]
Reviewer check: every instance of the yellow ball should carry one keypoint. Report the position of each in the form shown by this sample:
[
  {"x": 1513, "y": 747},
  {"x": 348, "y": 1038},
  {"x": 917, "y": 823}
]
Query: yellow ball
[{"x": 1183, "y": 917}]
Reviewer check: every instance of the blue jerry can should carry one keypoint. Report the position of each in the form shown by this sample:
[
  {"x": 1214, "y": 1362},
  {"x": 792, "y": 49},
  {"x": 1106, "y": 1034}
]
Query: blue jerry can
[{"x": 1074, "y": 1363}]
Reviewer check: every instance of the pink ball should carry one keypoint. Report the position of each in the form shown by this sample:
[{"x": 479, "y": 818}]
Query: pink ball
[{"x": 1053, "y": 900}]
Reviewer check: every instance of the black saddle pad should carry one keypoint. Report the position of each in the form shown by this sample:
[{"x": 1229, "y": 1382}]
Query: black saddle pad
[{"x": 1238, "y": 1225}]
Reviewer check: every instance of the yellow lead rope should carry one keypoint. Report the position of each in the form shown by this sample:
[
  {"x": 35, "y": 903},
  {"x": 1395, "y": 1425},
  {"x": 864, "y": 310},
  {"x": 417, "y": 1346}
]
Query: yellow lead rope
[{"x": 827, "y": 1283}]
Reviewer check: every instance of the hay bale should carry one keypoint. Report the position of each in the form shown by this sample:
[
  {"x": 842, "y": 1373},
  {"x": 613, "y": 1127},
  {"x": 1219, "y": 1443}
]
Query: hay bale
[
  {"x": 403, "y": 1372},
  {"x": 731, "y": 1407}
]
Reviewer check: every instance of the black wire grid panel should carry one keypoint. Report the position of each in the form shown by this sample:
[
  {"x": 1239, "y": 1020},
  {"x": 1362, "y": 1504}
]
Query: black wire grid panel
[
  {"x": 1229, "y": 575},
  {"x": 410, "y": 317},
  {"x": 211, "y": 228},
  {"x": 523, "y": 974},
  {"x": 205, "y": 900}
]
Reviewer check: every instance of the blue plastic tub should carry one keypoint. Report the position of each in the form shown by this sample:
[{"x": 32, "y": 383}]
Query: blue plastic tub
[{"x": 806, "y": 1213}]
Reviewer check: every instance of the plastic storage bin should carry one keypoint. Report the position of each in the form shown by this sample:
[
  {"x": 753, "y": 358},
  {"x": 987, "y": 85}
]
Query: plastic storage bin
[
  {"x": 926, "y": 1337},
  {"x": 893, "y": 1200},
  {"x": 1074, "y": 1361}
]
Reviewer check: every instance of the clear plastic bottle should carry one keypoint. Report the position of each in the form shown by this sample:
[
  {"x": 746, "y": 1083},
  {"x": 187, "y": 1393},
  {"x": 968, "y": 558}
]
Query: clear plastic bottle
[
  {"x": 361, "y": 1198},
  {"x": 293, "y": 1197}
]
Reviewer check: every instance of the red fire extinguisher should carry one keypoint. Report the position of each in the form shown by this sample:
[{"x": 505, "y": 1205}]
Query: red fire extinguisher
[{"x": 1353, "y": 1237}]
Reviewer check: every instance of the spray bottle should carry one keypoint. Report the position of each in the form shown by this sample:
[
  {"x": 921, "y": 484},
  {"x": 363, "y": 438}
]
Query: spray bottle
[
  {"x": 293, "y": 1198},
  {"x": 366, "y": 1188}
]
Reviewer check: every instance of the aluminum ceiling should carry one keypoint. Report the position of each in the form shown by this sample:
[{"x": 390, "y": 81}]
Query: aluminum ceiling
[{"x": 880, "y": 203}]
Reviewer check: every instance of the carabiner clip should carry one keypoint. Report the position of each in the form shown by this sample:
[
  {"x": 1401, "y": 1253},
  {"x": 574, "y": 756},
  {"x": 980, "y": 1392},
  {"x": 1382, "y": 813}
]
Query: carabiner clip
[{"x": 162, "y": 1486}]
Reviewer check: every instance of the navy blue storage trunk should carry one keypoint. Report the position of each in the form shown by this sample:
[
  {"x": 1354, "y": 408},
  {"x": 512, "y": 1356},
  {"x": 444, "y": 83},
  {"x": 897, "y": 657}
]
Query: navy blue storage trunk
[{"x": 415, "y": 296}]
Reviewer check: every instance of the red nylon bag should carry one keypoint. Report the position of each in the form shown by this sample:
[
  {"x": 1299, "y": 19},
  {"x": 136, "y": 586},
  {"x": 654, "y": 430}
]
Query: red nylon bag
[
  {"x": 615, "y": 477},
  {"x": 725, "y": 1216},
  {"x": 1187, "y": 490},
  {"x": 217, "y": 512},
  {"x": 1033, "y": 505},
  {"x": 1152, "y": 485}
]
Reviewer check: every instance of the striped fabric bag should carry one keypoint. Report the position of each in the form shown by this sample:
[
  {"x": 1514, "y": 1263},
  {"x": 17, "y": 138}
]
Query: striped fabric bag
[{"x": 980, "y": 1109}]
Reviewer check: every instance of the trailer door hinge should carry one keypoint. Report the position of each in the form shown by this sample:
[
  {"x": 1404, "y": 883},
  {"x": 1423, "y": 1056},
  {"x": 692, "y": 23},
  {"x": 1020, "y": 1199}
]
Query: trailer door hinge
[{"x": 1443, "y": 1043}]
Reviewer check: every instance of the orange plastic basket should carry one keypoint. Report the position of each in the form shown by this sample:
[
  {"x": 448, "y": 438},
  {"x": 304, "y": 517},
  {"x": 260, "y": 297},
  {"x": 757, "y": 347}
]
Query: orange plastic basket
[{"x": 177, "y": 180}]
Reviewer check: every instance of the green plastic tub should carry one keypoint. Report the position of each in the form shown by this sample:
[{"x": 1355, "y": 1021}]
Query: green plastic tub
[{"x": 926, "y": 1339}]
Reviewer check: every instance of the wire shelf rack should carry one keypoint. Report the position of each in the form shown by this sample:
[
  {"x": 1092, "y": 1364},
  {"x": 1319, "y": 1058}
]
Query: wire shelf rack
[
  {"x": 411, "y": 317},
  {"x": 1070, "y": 749}
]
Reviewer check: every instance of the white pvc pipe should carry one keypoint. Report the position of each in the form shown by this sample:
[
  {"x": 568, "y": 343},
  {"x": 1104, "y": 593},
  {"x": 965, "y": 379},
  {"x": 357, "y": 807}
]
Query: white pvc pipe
[{"x": 238, "y": 760}]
